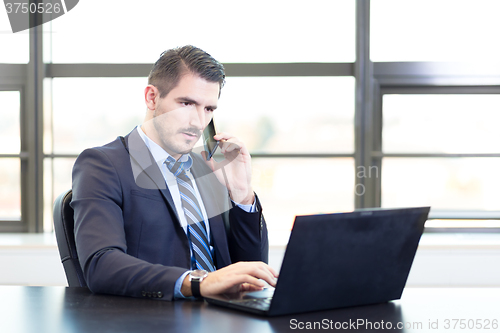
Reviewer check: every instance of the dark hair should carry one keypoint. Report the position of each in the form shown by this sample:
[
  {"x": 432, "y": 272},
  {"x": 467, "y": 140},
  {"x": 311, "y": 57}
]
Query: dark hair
[{"x": 174, "y": 63}]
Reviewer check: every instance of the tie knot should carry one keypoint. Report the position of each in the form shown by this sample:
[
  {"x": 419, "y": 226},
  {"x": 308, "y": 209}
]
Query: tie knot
[{"x": 176, "y": 167}]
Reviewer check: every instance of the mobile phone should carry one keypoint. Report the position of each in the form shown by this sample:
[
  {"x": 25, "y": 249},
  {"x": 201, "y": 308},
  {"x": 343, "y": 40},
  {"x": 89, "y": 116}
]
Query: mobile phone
[{"x": 208, "y": 139}]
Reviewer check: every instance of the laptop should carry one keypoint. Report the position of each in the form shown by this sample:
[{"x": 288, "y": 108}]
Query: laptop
[{"x": 339, "y": 260}]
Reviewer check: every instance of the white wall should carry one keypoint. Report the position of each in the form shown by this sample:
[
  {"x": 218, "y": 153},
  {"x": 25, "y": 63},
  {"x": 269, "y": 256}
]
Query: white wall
[
  {"x": 30, "y": 260},
  {"x": 441, "y": 261}
]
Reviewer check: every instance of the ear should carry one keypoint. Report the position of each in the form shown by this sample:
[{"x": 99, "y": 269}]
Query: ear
[{"x": 151, "y": 96}]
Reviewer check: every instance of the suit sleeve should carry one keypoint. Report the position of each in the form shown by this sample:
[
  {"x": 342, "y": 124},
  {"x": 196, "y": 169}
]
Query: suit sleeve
[
  {"x": 247, "y": 237},
  {"x": 100, "y": 235}
]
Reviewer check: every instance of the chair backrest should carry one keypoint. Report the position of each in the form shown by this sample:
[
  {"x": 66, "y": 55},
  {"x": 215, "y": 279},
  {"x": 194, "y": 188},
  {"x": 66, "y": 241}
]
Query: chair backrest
[{"x": 64, "y": 226}]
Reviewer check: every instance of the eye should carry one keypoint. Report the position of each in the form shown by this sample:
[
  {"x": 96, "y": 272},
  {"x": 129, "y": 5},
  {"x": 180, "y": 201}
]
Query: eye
[
  {"x": 186, "y": 103},
  {"x": 209, "y": 110}
]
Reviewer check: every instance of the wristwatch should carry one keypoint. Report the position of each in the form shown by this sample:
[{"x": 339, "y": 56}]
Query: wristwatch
[{"x": 196, "y": 277}]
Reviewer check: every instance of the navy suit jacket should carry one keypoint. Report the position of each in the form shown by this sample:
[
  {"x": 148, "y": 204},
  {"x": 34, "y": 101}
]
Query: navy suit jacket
[{"x": 128, "y": 236}]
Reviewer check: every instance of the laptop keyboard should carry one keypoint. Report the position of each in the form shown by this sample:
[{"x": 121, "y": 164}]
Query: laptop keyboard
[{"x": 256, "y": 303}]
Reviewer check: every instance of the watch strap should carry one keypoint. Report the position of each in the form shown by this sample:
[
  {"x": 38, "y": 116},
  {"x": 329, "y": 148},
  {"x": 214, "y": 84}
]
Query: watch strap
[
  {"x": 196, "y": 277},
  {"x": 195, "y": 287}
]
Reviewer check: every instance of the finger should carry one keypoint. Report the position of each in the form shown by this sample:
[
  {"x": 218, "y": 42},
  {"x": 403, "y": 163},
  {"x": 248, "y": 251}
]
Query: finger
[
  {"x": 245, "y": 278},
  {"x": 225, "y": 143},
  {"x": 239, "y": 145},
  {"x": 213, "y": 164},
  {"x": 270, "y": 273},
  {"x": 269, "y": 278},
  {"x": 223, "y": 136},
  {"x": 273, "y": 271},
  {"x": 249, "y": 287},
  {"x": 252, "y": 265},
  {"x": 256, "y": 269},
  {"x": 263, "y": 271},
  {"x": 228, "y": 147}
]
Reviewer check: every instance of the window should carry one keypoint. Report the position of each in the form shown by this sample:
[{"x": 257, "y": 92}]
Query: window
[
  {"x": 293, "y": 115},
  {"x": 438, "y": 123},
  {"x": 15, "y": 47},
  {"x": 441, "y": 152},
  {"x": 289, "y": 114},
  {"x": 10, "y": 157},
  {"x": 84, "y": 113},
  {"x": 251, "y": 32},
  {"x": 299, "y": 92},
  {"x": 427, "y": 30},
  {"x": 248, "y": 106},
  {"x": 89, "y": 112},
  {"x": 281, "y": 184},
  {"x": 10, "y": 129},
  {"x": 449, "y": 184},
  {"x": 268, "y": 112}
]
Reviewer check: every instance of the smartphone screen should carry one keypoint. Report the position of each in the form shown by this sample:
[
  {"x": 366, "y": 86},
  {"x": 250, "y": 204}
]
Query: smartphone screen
[{"x": 208, "y": 140}]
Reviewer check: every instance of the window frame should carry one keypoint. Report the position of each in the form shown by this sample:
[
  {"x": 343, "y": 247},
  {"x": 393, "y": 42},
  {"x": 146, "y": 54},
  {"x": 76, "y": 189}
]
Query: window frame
[{"x": 439, "y": 79}]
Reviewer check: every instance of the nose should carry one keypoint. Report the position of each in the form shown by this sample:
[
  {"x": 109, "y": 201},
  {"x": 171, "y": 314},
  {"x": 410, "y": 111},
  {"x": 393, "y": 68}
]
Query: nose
[{"x": 197, "y": 118}]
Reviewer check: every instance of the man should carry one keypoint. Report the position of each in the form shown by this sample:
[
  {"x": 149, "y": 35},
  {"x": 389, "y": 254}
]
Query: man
[{"x": 151, "y": 216}]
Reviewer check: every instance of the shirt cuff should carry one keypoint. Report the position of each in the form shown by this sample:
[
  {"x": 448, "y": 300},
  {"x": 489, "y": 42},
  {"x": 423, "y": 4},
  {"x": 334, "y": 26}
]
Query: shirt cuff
[
  {"x": 248, "y": 208},
  {"x": 178, "y": 285}
]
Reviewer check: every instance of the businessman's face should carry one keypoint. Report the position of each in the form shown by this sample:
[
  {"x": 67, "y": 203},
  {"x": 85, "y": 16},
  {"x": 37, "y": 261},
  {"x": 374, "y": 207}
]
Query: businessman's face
[{"x": 181, "y": 116}]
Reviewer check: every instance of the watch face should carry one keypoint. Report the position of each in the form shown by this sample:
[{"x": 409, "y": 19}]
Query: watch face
[{"x": 198, "y": 273}]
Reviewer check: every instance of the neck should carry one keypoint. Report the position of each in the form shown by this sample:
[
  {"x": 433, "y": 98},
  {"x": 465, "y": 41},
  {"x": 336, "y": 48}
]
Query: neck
[{"x": 148, "y": 128}]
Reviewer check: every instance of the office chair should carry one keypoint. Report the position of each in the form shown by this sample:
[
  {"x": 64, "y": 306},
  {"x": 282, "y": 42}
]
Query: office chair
[{"x": 64, "y": 226}]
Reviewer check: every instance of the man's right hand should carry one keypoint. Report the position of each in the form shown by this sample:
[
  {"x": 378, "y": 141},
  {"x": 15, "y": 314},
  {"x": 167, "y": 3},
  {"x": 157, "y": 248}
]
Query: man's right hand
[{"x": 241, "y": 276}]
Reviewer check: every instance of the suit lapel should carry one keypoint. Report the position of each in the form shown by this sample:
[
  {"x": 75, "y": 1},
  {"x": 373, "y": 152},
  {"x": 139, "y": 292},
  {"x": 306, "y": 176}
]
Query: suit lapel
[{"x": 147, "y": 175}]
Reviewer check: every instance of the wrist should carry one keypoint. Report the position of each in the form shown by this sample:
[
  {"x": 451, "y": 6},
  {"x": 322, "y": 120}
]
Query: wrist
[
  {"x": 196, "y": 277},
  {"x": 243, "y": 199},
  {"x": 186, "y": 287}
]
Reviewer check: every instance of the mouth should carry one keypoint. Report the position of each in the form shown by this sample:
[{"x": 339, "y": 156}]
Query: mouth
[{"x": 190, "y": 136}]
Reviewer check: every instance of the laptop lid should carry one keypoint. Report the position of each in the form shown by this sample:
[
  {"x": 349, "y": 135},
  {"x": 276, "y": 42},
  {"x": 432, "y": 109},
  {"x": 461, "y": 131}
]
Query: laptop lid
[{"x": 347, "y": 259}]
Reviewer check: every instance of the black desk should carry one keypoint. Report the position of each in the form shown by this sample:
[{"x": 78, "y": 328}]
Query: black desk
[{"x": 59, "y": 309}]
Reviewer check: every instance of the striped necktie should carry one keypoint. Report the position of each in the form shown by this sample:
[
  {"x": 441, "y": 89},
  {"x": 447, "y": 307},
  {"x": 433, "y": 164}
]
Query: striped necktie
[{"x": 196, "y": 228}]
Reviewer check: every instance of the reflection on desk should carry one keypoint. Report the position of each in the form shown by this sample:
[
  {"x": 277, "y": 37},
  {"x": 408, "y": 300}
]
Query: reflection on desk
[{"x": 59, "y": 309}]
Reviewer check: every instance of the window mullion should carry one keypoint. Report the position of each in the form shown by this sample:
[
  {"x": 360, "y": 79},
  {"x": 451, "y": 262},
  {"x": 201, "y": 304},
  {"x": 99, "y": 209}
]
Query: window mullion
[{"x": 32, "y": 135}]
